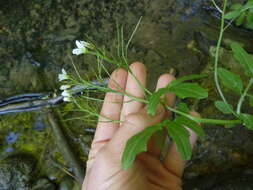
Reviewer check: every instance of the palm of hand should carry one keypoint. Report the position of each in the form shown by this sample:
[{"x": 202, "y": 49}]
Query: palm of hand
[{"x": 104, "y": 169}]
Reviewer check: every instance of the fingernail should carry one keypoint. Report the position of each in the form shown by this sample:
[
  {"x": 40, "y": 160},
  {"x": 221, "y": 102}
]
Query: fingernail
[{"x": 173, "y": 72}]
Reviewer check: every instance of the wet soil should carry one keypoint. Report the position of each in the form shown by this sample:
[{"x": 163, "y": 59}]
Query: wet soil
[{"x": 37, "y": 39}]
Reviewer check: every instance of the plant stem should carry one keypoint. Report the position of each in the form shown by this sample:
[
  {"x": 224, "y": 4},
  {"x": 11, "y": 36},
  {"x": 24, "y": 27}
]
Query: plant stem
[
  {"x": 200, "y": 120},
  {"x": 217, "y": 56},
  {"x": 128, "y": 69},
  {"x": 132, "y": 35},
  {"x": 204, "y": 120},
  {"x": 241, "y": 100},
  {"x": 216, "y": 6}
]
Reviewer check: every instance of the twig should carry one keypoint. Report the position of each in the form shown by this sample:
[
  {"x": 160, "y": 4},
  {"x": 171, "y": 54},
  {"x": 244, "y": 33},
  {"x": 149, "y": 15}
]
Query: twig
[{"x": 64, "y": 147}]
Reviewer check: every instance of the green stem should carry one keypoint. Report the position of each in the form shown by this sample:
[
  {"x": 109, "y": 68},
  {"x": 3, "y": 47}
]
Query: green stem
[
  {"x": 129, "y": 70},
  {"x": 204, "y": 120},
  {"x": 132, "y": 35},
  {"x": 217, "y": 56},
  {"x": 216, "y": 6},
  {"x": 241, "y": 100},
  {"x": 96, "y": 53}
]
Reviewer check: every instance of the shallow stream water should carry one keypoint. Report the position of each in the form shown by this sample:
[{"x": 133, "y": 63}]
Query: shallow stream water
[{"x": 37, "y": 38}]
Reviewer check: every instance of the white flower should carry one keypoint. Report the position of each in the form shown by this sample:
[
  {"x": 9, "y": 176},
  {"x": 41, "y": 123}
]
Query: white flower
[
  {"x": 81, "y": 47},
  {"x": 65, "y": 87},
  {"x": 66, "y": 93},
  {"x": 63, "y": 75},
  {"x": 67, "y": 99}
]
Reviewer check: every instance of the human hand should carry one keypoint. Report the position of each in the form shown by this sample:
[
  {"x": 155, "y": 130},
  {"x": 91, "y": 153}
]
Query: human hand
[{"x": 104, "y": 170}]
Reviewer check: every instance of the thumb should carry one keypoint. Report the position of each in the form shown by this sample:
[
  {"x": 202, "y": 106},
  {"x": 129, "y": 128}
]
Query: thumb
[{"x": 133, "y": 124}]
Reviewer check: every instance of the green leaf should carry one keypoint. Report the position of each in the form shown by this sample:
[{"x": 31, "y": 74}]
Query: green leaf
[
  {"x": 186, "y": 78},
  {"x": 248, "y": 5},
  {"x": 236, "y": 6},
  {"x": 249, "y": 18},
  {"x": 180, "y": 135},
  {"x": 232, "y": 15},
  {"x": 137, "y": 144},
  {"x": 243, "y": 58},
  {"x": 223, "y": 107},
  {"x": 183, "y": 107},
  {"x": 249, "y": 25},
  {"x": 159, "y": 137},
  {"x": 189, "y": 90},
  {"x": 250, "y": 100},
  {"x": 154, "y": 100},
  {"x": 191, "y": 124},
  {"x": 247, "y": 120},
  {"x": 230, "y": 80},
  {"x": 239, "y": 21}
]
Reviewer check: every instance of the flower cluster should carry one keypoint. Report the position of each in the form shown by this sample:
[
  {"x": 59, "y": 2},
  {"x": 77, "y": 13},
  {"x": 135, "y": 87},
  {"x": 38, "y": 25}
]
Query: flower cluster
[
  {"x": 67, "y": 97},
  {"x": 82, "y": 48}
]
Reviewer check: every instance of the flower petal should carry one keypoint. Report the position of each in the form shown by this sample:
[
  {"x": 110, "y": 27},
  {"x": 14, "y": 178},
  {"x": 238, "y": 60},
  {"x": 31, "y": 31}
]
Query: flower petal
[
  {"x": 65, "y": 93},
  {"x": 79, "y": 44},
  {"x": 77, "y": 51},
  {"x": 61, "y": 77},
  {"x": 67, "y": 99},
  {"x": 63, "y": 71},
  {"x": 64, "y": 87}
]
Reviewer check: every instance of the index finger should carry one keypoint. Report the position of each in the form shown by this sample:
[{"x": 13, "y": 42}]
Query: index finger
[{"x": 111, "y": 108}]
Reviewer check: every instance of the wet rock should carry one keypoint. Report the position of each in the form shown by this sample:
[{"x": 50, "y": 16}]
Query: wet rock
[
  {"x": 39, "y": 123},
  {"x": 235, "y": 179},
  {"x": 67, "y": 183},
  {"x": 44, "y": 184},
  {"x": 15, "y": 172},
  {"x": 20, "y": 80}
]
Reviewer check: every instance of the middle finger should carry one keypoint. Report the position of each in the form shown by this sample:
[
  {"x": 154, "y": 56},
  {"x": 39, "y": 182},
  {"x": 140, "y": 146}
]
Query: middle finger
[{"x": 133, "y": 88}]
